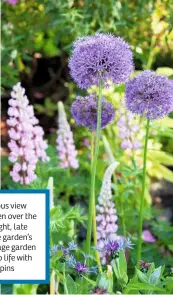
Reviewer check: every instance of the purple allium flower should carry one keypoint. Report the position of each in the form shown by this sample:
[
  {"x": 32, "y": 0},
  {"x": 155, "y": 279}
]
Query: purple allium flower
[
  {"x": 148, "y": 237},
  {"x": 26, "y": 144},
  {"x": 11, "y": 2},
  {"x": 84, "y": 111},
  {"x": 81, "y": 267},
  {"x": 65, "y": 142},
  {"x": 149, "y": 95},
  {"x": 128, "y": 130},
  {"x": 100, "y": 56}
]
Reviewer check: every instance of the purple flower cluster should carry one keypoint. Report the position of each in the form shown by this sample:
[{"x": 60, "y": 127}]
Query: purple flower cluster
[
  {"x": 11, "y": 2},
  {"x": 149, "y": 95},
  {"x": 84, "y": 111},
  {"x": 65, "y": 141},
  {"x": 111, "y": 247},
  {"x": 81, "y": 267},
  {"x": 148, "y": 237},
  {"x": 26, "y": 144},
  {"x": 65, "y": 251},
  {"x": 128, "y": 130},
  {"x": 100, "y": 56},
  {"x": 106, "y": 212}
]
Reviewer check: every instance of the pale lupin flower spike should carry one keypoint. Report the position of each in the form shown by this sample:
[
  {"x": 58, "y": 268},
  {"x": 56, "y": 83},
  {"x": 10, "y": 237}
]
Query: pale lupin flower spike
[
  {"x": 106, "y": 212},
  {"x": 65, "y": 142}
]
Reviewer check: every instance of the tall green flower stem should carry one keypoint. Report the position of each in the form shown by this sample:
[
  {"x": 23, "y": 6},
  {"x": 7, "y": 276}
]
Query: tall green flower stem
[
  {"x": 65, "y": 284},
  {"x": 93, "y": 173},
  {"x": 143, "y": 193},
  {"x": 122, "y": 215},
  {"x": 121, "y": 205},
  {"x": 94, "y": 211}
]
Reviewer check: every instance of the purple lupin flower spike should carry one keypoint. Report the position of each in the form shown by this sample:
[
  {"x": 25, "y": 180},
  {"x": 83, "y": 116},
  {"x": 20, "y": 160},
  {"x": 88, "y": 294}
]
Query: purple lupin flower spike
[
  {"x": 106, "y": 212},
  {"x": 149, "y": 95},
  {"x": 84, "y": 111},
  {"x": 26, "y": 144},
  {"x": 100, "y": 55},
  {"x": 128, "y": 128},
  {"x": 65, "y": 142}
]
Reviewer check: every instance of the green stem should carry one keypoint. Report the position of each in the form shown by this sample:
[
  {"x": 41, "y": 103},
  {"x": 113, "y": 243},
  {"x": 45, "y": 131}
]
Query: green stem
[
  {"x": 122, "y": 215},
  {"x": 65, "y": 285},
  {"x": 94, "y": 211},
  {"x": 121, "y": 209},
  {"x": 93, "y": 170},
  {"x": 143, "y": 194}
]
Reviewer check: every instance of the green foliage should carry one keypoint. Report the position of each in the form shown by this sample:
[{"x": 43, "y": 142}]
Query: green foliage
[{"x": 52, "y": 26}]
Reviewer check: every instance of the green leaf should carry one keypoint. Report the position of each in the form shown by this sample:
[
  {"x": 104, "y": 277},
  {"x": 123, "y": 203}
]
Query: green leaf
[
  {"x": 120, "y": 268},
  {"x": 91, "y": 282},
  {"x": 156, "y": 275},
  {"x": 71, "y": 286},
  {"x": 142, "y": 277},
  {"x": 122, "y": 262},
  {"x": 160, "y": 157},
  {"x": 165, "y": 71},
  {"x": 165, "y": 122},
  {"x": 143, "y": 286},
  {"x": 160, "y": 171}
]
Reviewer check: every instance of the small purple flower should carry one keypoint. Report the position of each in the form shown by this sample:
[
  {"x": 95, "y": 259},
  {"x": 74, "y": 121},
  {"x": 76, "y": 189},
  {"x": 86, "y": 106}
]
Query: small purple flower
[
  {"x": 84, "y": 111},
  {"x": 65, "y": 251},
  {"x": 111, "y": 247},
  {"x": 81, "y": 267},
  {"x": 11, "y": 2},
  {"x": 54, "y": 250},
  {"x": 148, "y": 237},
  {"x": 149, "y": 95},
  {"x": 100, "y": 56},
  {"x": 65, "y": 142}
]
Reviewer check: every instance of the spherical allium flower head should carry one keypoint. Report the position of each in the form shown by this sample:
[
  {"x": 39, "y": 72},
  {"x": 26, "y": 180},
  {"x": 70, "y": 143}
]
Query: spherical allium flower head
[
  {"x": 84, "y": 111},
  {"x": 100, "y": 56},
  {"x": 149, "y": 95}
]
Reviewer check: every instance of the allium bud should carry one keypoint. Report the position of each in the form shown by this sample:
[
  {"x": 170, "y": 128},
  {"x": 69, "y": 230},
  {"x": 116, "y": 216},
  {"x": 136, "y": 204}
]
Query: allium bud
[
  {"x": 26, "y": 144},
  {"x": 65, "y": 142}
]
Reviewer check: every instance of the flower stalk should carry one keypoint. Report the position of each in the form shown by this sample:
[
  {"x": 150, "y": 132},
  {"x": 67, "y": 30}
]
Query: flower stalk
[
  {"x": 143, "y": 193},
  {"x": 93, "y": 171}
]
